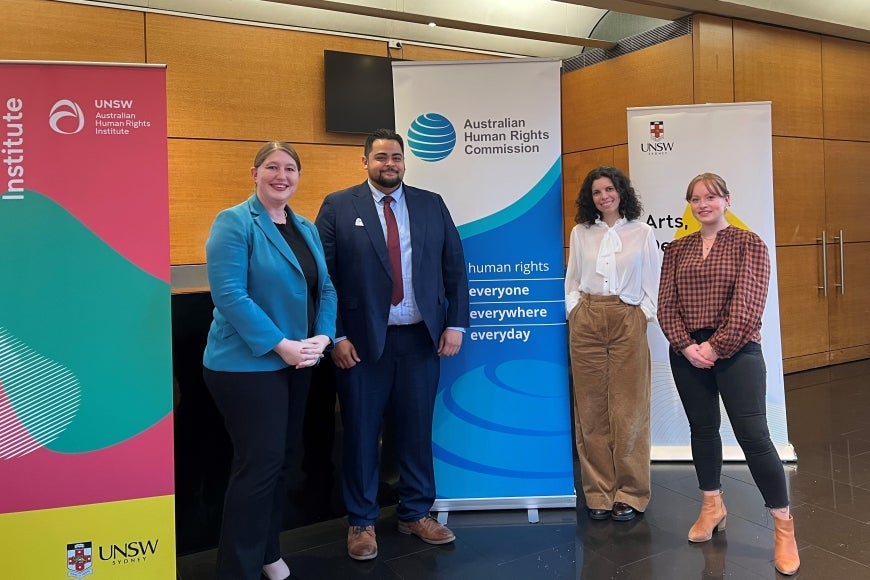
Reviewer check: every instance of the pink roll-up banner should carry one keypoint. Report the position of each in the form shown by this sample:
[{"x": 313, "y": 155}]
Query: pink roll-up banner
[{"x": 85, "y": 345}]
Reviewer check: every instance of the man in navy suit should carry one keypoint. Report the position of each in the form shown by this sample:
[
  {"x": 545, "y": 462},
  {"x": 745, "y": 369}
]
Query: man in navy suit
[{"x": 390, "y": 335}]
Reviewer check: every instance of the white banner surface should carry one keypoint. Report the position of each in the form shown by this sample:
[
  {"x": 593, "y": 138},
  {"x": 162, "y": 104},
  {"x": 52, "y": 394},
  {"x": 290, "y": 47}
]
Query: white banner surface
[
  {"x": 486, "y": 135},
  {"x": 668, "y": 146}
]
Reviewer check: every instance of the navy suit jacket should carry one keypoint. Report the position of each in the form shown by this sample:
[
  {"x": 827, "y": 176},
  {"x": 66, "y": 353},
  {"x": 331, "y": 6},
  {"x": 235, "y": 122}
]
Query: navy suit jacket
[
  {"x": 356, "y": 255},
  {"x": 259, "y": 290}
]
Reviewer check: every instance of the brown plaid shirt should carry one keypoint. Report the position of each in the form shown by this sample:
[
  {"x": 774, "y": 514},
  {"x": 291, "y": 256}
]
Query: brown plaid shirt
[{"x": 726, "y": 291}]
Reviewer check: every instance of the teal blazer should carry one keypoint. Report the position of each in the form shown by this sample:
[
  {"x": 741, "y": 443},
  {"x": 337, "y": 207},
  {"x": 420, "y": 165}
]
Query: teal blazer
[{"x": 259, "y": 291}]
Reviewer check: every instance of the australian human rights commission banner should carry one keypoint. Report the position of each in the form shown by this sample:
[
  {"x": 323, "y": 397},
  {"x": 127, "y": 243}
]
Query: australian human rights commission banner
[
  {"x": 486, "y": 135},
  {"x": 668, "y": 146},
  {"x": 85, "y": 369}
]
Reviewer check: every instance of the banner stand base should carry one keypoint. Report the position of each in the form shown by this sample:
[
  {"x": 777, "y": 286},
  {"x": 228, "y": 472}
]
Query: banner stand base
[
  {"x": 443, "y": 506},
  {"x": 729, "y": 453}
]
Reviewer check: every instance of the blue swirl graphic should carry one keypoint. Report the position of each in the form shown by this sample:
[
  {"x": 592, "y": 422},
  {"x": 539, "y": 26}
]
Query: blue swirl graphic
[
  {"x": 431, "y": 137},
  {"x": 505, "y": 420}
]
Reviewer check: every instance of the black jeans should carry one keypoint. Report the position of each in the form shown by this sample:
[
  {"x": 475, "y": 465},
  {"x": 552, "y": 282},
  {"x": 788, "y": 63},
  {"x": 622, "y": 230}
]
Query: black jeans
[{"x": 741, "y": 381}]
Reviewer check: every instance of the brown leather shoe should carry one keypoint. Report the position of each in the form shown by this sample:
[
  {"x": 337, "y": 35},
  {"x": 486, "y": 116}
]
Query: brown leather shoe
[
  {"x": 622, "y": 512},
  {"x": 429, "y": 530},
  {"x": 361, "y": 542}
]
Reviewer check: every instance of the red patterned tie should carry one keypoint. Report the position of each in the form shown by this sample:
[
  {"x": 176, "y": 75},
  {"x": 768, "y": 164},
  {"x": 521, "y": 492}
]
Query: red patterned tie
[{"x": 394, "y": 250}]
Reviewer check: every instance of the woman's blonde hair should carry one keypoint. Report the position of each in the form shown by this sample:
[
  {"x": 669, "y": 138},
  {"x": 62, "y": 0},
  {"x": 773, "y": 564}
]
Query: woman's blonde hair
[
  {"x": 271, "y": 146},
  {"x": 715, "y": 184}
]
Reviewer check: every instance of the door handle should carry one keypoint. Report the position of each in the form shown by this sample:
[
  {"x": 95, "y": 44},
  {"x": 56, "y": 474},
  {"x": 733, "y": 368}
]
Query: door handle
[
  {"x": 824, "y": 286},
  {"x": 842, "y": 284}
]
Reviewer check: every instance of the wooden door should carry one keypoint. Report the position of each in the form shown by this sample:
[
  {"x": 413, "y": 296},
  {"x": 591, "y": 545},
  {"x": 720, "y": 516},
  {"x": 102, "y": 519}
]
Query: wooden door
[
  {"x": 847, "y": 183},
  {"x": 849, "y": 303},
  {"x": 803, "y": 307},
  {"x": 798, "y": 186}
]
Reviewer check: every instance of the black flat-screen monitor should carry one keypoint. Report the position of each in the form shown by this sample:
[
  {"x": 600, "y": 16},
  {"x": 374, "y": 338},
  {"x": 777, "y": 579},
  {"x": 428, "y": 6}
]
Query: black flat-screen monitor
[{"x": 359, "y": 92}]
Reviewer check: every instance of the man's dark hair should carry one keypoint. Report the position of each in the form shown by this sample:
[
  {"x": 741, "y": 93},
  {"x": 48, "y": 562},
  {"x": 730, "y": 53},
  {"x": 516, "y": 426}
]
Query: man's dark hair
[{"x": 387, "y": 134}]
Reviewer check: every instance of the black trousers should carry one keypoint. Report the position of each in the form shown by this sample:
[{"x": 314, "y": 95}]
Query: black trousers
[
  {"x": 263, "y": 413},
  {"x": 741, "y": 381}
]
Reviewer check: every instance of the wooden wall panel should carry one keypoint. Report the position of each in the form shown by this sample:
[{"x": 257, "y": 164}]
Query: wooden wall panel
[
  {"x": 803, "y": 363},
  {"x": 783, "y": 66},
  {"x": 850, "y": 354},
  {"x": 594, "y": 98},
  {"x": 713, "y": 47},
  {"x": 231, "y": 87},
  {"x": 230, "y": 81},
  {"x": 43, "y": 30},
  {"x": 847, "y": 186},
  {"x": 798, "y": 179},
  {"x": 846, "y": 85},
  {"x": 849, "y": 310},
  {"x": 803, "y": 323},
  {"x": 620, "y": 158},
  {"x": 208, "y": 176}
]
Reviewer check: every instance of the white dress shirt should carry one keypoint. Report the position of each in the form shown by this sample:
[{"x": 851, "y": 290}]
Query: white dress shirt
[
  {"x": 622, "y": 260},
  {"x": 406, "y": 311}
]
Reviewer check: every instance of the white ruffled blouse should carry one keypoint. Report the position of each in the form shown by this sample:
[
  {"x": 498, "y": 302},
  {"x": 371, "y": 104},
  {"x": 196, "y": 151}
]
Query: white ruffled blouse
[{"x": 622, "y": 260}]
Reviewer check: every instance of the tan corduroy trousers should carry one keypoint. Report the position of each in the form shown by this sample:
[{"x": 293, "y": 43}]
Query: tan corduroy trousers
[{"x": 610, "y": 364}]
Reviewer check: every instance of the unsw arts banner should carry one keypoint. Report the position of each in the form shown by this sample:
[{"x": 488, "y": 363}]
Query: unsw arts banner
[
  {"x": 668, "y": 146},
  {"x": 486, "y": 135},
  {"x": 85, "y": 358}
]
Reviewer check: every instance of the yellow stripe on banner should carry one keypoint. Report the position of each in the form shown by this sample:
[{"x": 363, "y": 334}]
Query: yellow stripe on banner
[{"x": 125, "y": 540}]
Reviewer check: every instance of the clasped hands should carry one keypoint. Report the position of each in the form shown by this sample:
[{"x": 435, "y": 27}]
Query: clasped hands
[
  {"x": 701, "y": 355},
  {"x": 302, "y": 353}
]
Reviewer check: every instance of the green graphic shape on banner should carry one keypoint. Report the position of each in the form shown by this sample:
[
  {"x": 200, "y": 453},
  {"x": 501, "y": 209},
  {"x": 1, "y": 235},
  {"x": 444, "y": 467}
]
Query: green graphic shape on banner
[{"x": 67, "y": 299}]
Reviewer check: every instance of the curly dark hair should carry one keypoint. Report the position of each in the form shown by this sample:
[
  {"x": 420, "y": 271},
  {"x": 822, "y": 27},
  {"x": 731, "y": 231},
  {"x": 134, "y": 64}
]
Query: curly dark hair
[{"x": 629, "y": 204}]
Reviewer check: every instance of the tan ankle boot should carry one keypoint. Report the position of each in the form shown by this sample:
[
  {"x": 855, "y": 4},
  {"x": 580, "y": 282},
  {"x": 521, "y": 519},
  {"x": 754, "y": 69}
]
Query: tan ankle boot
[
  {"x": 712, "y": 518},
  {"x": 785, "y": 552}
]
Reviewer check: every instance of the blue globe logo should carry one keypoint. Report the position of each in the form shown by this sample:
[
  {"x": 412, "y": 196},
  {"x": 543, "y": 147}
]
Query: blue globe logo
[{"x": 431, "y": 137}]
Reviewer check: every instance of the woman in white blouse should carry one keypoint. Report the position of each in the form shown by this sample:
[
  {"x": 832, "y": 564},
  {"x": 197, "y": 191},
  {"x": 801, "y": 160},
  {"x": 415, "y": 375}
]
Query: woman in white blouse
[{"x": 611, "y": 288}]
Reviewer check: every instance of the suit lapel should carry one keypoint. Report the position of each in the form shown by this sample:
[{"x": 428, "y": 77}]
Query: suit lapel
[
  {"x": 364, "y": 203},
  {"x": 417, "y": 224},
  {"x": 264, "y": 222}
]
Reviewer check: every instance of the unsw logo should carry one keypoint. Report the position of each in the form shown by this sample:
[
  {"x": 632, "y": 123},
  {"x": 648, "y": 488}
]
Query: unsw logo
[
  {"x": 658, "y": 145},
  {"x": 80, "y": 556},
  {"x": 133, "y": 552},
  {"x": 66, "y": 117},
  {"x": 79, "y": 560}
]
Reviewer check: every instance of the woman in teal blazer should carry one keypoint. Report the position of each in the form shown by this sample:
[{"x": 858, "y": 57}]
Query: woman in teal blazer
[{"x": 274, "y": 316}]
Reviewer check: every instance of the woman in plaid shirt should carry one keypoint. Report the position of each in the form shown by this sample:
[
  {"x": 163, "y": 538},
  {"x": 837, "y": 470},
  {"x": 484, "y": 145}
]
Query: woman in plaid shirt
[{"x": 711, "y": 298}]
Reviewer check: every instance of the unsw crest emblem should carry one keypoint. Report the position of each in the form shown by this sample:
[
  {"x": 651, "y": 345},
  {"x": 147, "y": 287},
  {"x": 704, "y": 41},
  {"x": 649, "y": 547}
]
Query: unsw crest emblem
[{"x": 79, "y": 559}]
